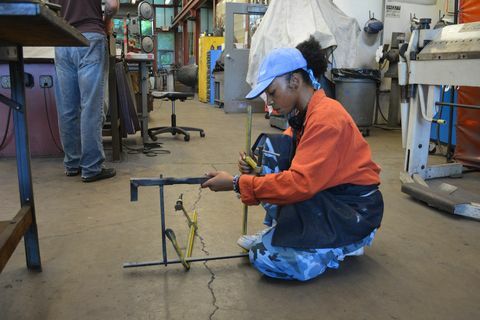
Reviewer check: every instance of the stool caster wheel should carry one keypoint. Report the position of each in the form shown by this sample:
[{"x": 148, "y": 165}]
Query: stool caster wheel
[
  {"x": 154, "y": 138},
  {"x": 202, "y": 134},
  {"x": 174, "y": 133},
  {"x": 186, "y": 138}
]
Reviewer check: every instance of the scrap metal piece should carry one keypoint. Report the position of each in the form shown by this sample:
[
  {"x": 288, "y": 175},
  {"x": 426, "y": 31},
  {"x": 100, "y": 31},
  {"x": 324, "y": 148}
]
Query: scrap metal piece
[
  {"x": 405, "y": 177},
  {"x": 418, "y": 179},
  {"x": 447, "y": 188}
]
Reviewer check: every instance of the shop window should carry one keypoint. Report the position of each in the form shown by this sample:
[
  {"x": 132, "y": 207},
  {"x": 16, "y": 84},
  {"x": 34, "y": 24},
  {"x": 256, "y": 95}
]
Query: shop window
[{"x": 244, "y": 26}]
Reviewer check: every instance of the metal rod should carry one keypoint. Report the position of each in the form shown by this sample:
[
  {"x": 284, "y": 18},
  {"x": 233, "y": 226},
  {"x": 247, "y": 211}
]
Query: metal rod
[
  {"x": 271, "y": 153},
  {"x": 136, "y": 182},
  {"x": 450, "y": 125},
  {"x": 458, "y": 105},
  {"x": 162, "y": 217},
  {"x": 197, "y": 259},
  {"x": 189, "y": 221},
  {"x": 456, "y": 12},
  {"x": 144, "y": 97},
  {"x": 248, "y": 152}
]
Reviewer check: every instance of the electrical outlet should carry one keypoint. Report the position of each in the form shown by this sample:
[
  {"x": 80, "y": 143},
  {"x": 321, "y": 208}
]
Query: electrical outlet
[
  {"x": 5, "y": 82},
  {"x": 45, "y": 81}
]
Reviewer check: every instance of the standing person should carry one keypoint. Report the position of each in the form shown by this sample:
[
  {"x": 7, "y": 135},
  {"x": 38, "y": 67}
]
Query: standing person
[
  {"x": 80, "y": 88},
  {"x": 323, "y": 188}
]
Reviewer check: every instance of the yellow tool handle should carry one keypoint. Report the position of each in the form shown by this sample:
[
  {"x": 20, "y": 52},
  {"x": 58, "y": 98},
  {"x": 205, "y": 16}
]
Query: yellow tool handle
[
  {"x": 171, "y": 236},
  {"x": 249, "y": 160},
  {"x": 191, "y": 235}
]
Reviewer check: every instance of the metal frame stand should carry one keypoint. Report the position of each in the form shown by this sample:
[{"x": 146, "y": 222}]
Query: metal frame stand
[{"x": 161, "y": 183}]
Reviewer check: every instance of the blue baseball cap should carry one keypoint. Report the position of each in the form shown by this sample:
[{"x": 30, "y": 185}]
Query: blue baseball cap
[{"x": 278, "y": 62}]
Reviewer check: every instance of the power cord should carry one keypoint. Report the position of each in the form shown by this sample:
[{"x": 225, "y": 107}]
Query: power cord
[
  {"x": 148, "y": 149},
  {"x": 48, "y": 120}
]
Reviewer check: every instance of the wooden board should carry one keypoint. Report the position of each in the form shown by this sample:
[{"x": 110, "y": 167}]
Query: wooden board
[
  {"x": 31, "y": 23},
  {"x": 11, "y": 232}
]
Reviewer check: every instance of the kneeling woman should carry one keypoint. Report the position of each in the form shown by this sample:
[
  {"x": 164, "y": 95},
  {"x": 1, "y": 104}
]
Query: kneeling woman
[{"x": 326, "y": 201}]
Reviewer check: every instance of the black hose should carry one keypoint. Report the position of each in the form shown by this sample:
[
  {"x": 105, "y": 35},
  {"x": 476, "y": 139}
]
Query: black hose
[
  {"x": 48, "y": 120},
  {"x": 377, "y": 98}
]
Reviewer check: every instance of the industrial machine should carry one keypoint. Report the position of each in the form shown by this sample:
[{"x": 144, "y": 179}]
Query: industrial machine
[{"x": 435, "y": 57}]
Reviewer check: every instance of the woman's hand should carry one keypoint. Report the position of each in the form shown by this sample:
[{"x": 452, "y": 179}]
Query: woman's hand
[
  {"x": 219, "y": 181},
  {"x": 243, "y": 166}
]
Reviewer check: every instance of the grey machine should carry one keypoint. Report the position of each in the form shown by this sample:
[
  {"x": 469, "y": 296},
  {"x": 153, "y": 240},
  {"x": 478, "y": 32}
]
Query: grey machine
[{"x": 435, "y": 57}]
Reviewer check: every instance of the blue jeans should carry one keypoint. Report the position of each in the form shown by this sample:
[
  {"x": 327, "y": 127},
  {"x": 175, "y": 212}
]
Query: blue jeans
[{"x": 79, "y": 91}]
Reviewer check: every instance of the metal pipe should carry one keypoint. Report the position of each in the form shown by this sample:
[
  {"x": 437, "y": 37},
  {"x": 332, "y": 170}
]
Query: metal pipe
[
  {"x": 458, "y": 105},
  {"x": 179, "y": 206},
  {"x": 270, "y": 153},
  {"x": 248, "y": 152},
  {"x": 456, "y": 10},
  {"x": 162, "y": 217},
  {"x": 136, "y": 182},
  {"x": 452, "y": 97},
  {"x": 189, "y": 221},
  {"x": 450, "y": 126},
  {"x": 199, "y": 259}
]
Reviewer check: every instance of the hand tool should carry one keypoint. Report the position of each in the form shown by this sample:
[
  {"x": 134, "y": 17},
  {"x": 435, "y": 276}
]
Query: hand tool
[
  {"x": 179, "y": 206},
  {"x": 171, "y": 236},
  {"x": 191, "y": 235}
]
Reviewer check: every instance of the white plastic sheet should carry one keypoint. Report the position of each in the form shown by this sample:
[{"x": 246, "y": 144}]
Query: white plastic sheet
[{"x": 287, "y": 23}]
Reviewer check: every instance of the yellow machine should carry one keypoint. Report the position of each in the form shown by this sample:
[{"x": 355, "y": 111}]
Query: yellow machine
[{"x": 205, "y": 44}]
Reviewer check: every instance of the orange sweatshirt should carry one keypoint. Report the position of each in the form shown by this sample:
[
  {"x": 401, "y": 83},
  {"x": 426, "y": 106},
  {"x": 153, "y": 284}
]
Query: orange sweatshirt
[{"x": 331, "y": 152}]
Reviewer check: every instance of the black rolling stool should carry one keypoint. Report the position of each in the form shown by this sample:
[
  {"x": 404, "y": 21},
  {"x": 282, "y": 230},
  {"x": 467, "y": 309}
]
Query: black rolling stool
[{"x": 173, "y": 129}]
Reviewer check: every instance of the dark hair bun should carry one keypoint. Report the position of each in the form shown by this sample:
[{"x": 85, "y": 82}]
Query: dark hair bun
[{"x": 315, "y": 56}]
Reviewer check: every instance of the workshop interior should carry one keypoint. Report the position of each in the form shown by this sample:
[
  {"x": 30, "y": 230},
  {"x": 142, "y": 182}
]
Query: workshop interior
[{"x": 151, "y": 242}]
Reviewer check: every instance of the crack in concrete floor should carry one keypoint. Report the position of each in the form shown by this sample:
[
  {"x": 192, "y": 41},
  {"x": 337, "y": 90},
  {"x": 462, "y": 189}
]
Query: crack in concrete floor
[{"x": 205, "y": 251}]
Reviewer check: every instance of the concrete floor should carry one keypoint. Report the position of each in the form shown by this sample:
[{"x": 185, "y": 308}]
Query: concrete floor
[{"x": 423, "y": 264}]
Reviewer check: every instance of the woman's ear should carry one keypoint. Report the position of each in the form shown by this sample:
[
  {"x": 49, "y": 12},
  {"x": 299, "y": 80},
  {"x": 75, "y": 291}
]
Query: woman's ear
[{"x": 294, "y": 82}]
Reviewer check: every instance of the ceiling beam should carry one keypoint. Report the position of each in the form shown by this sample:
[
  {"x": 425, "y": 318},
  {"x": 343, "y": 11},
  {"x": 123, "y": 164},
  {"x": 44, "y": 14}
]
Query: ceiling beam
[{"x": 187, "y": 10}]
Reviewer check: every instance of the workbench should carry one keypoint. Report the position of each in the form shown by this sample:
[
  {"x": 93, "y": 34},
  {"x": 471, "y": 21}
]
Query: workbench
[{"x": 26, "y": 23}]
